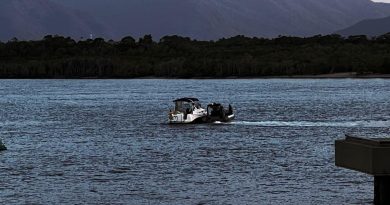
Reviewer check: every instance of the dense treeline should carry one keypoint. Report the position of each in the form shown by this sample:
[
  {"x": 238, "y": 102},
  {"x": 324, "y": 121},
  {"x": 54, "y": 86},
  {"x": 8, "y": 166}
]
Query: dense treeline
[{"x": 175, "y": 56}]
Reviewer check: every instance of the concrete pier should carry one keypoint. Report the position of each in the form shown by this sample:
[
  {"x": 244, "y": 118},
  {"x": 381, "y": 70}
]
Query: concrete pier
[{"x": 370, "y": 156}]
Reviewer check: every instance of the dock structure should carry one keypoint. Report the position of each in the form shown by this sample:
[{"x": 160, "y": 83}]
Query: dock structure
[{"x": 370, "y": 156}]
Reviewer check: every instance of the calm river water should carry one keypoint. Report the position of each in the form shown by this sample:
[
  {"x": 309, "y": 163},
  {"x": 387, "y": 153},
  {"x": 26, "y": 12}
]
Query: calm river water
[{"x": 107, "y": 141}]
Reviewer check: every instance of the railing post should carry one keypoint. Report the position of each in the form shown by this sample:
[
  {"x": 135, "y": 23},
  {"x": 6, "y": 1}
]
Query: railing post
[{"x": 381, "y": 189}]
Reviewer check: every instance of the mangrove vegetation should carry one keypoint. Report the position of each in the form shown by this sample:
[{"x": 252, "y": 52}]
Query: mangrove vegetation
[{"x": 181, "y": 57}]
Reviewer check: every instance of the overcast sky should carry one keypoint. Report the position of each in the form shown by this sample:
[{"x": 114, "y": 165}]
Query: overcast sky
[{"x": 387, "y": 1}]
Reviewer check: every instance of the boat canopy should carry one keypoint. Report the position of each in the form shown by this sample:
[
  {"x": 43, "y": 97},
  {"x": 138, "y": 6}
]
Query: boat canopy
[{"x": 186, "y": 100}]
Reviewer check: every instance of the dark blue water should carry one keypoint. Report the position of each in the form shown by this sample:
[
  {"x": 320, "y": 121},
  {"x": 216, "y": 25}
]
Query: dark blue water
[{"x": 107, "y": 141}]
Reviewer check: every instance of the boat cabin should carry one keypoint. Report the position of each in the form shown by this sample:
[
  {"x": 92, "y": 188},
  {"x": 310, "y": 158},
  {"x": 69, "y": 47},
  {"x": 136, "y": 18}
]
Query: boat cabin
[
  {"x": 187, "y": 110},
  {"x": 186, "y": 105}
]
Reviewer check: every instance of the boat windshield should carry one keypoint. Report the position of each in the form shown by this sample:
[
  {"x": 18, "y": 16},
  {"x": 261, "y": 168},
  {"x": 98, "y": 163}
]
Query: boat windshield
[
  {"x": 197, "y": 105},
  {"x": 182, "y": 106}
]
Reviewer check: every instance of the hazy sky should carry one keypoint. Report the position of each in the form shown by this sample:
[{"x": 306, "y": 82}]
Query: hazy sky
[{"x": 387, "y": 1}]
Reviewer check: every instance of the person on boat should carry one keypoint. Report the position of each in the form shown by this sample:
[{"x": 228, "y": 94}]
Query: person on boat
[{"x": 230, "y": 109}]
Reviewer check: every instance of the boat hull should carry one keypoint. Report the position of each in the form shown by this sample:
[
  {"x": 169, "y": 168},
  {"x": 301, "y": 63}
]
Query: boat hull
[{"x": 190, "y": 119}]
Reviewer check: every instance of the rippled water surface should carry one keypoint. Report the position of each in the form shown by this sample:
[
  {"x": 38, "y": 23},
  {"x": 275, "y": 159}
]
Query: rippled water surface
[{"x": 107, "y": 141}]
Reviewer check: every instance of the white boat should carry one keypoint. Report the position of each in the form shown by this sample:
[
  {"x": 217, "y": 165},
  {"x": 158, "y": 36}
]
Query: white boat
[{"x": 187, "y": 110}]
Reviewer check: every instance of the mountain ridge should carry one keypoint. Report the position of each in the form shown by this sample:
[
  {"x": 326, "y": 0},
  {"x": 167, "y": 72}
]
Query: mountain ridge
[
  {"x": 198, "y": 19},
  {"x": 368, "y": 27},
  {"x": 213, "y": 19},
  {"x": 25, "y": 19}
]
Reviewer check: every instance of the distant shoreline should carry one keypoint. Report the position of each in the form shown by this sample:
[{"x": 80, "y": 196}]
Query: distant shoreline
[
  {"x": 350, "y": 75},
  {"x": 175, "y": 57},
  {"x": 342, "y": 75}
]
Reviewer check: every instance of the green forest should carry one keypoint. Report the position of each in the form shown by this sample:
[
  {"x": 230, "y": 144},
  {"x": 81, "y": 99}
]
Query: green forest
[{"x": 181, "y": 57}]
